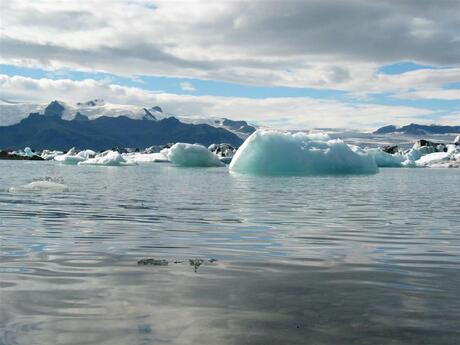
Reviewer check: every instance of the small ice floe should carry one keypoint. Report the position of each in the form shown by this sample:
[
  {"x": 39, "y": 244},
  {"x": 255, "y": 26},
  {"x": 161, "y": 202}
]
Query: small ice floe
[
  {"x": 50, "y": 155},
  {"x": 225, "y": 152},
  {"x": 449, "y": 159},
  {"x": 142, "y": 158},
  {"x": 107, "y": 158},
  {"x": 72, "y": 157},
  {"x": 41, "y": 186},
  {"x": 386, "y": 159},
  {"x": 193, "y": 155},
  {"x": 269, "y": 152},
  {"x": 423, "y": 153}
]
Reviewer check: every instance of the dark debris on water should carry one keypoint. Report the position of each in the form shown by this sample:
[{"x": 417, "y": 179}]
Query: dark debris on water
[{"x": 195, "y": 263}]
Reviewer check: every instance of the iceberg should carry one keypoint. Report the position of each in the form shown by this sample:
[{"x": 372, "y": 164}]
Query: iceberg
[
  {"x": 71, "y": 157},
  {"x": 224, "y": 151},
  {"x": 384, "y": 159},
  {"x": 140, "y": 158},
  {"x": 415, "y": 153},
  {"x": 269, "y": 152},
  {"x": 40, "y": 186},
  {"x": 50, "y": 155},
  {"x": 193, "y": 155},
  {"x": 107, "y": 158}
]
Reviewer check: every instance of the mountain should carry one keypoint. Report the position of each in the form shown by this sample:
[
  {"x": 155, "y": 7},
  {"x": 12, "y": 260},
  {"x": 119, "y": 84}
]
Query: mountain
[
  {"x": 51, "y": 130},
  {"x": 415, "y": 129},
  {"x": 11, "y": 112}
]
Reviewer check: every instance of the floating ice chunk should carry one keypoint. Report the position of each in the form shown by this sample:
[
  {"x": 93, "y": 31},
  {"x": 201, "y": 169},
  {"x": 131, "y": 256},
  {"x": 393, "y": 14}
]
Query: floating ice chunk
[
  {"x": 71, "y": 157},
  {"x": 28, "y": 152},
  {"x": 453, "y": 149},
  {"x": 384, "y": 159},
  {"x": 41, "y": 186},
  {"x": 416, "y": 153},
  {"x": 408, "y": 164},
  {"x": 268, "y": 152},
  {"x": 49, "y": 155},
  {"x": 107, "y": 158},
  {"x": 86, "y": 154},
  {"x": 193, "y": 155},
  {"x": 433, "y": 158},
  {"x": 140, "y": 158}
]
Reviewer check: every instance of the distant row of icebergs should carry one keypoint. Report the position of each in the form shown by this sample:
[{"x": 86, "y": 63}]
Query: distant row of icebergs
[{"x": 269, "y": 152}]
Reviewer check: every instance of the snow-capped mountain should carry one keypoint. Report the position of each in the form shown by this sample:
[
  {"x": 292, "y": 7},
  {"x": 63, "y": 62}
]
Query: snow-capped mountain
[
  {"x": 99, "y": 125},
  {"x": 13, "y": 112}
]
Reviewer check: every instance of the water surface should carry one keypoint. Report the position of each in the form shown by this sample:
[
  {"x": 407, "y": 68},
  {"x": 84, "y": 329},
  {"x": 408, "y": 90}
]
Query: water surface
[{"x": 301, "y": 260}]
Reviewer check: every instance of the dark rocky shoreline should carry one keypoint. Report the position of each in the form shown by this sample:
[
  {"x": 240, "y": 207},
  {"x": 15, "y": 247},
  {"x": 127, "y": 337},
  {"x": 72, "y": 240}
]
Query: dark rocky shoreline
[{"x": 5, "y": 155}]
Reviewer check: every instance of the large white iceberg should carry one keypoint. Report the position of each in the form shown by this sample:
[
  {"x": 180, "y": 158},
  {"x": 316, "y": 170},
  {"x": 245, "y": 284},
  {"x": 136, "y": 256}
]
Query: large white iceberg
[
  {"x": 107, "y": 158},
  {"x": 193, "y": 155},
  {"x": 268, "y": 152}
]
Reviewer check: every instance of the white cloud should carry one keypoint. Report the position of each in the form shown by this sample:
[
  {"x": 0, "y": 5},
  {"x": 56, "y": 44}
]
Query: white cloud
[
  {"x": 187, "y": 86},
  {"x": 438, "y": 94},
  {"x": 285, "y": 112},
  {"x": 319, "y": 44}
]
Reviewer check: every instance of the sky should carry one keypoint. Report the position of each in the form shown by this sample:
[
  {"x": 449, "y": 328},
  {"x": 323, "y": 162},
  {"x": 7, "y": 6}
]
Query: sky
[{"x": 285, "y": 64}]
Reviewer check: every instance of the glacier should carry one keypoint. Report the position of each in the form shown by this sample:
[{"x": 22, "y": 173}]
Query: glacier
[
  {"x": 192, "y": 155},
  {"x": 270, "y": 152}
]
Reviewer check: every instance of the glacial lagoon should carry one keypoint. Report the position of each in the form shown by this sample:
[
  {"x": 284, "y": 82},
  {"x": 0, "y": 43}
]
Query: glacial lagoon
[{"x": 357, "y": 259}]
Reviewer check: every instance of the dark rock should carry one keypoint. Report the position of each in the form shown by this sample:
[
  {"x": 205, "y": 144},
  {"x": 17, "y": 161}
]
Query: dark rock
[
  {"x": 423, "y": 142},
  {"x": 391, "y": 149},
  {"x": 223, "y": 150},
  {"x": 5, "y": 155},
  {"x": 154, "y": 262},
  {"x": 196, "y": 263}
]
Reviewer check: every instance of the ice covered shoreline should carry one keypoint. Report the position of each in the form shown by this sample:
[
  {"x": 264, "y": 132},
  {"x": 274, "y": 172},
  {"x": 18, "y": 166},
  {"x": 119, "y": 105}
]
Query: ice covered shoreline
[{"x": 267, "y": 152}]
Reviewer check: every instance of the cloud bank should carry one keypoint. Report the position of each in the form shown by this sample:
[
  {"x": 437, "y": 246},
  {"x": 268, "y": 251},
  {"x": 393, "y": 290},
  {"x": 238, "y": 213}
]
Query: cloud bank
[
  {"x": 282, "y": 112},
  {"x": 321, "y": 44}
]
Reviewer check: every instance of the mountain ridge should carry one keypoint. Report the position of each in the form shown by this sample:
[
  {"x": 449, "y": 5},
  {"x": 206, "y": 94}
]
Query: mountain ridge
[
  {"x": 417, "y": 129},
  {"x": 50, "y": 130}
]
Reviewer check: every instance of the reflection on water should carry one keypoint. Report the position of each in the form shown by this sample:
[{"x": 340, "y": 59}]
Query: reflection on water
[{"x": 311, "y": 260}]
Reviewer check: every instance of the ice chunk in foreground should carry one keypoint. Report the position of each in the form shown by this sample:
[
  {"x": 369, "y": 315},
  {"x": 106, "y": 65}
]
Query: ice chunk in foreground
[
  {"x": 40, "y": 186},
  {"x": 107, "y": 158},
  {"x": 268, "y": 152},
  {"x": 193, "y": 155}
]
